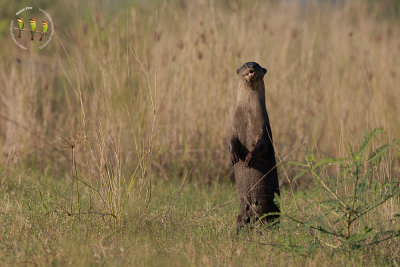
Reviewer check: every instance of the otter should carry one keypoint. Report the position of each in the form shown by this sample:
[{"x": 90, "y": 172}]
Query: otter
[{"x": 252, "y": 152}]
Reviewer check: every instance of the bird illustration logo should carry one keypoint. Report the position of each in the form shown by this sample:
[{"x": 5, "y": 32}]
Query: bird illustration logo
[
  {"x": 33, "y": 28},
  {"x": 44, "y": 29},
  {"x": 36, "y": 23},
  {"x": 20, "y": 26}
]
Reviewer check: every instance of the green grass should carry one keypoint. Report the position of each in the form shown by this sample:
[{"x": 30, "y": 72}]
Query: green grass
[{"x": 194, "y": 227}]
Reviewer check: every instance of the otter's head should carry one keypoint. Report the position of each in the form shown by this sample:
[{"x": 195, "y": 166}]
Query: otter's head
[{"x": 251, "y": 72}]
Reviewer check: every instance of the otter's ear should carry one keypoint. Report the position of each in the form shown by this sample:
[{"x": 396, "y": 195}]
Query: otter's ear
[
  {"x": 264, "y": 70},
  {"x": 237, "y": 71}
]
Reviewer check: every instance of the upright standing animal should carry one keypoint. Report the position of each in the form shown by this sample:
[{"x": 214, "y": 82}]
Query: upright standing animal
[{"x": 251, "y": 149}]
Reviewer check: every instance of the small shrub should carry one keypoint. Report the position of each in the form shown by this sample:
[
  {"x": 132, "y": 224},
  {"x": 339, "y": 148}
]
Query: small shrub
[{"x": 346, "y": 195}]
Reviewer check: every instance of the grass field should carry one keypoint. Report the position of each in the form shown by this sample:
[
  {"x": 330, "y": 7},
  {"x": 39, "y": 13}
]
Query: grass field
[
  {"x": 114, "y": 138},
  {"x": 195, "y": 228}
]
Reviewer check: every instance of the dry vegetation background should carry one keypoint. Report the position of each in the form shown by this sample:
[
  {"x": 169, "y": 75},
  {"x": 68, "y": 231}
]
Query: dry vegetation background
[
  {"x": 151, "y": 88},
  {"x": 162, "y": 75}
]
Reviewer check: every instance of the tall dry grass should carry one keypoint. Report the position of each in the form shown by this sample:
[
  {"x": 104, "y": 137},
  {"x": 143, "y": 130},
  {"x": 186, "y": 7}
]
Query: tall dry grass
[{"x": 154, "y": 86}]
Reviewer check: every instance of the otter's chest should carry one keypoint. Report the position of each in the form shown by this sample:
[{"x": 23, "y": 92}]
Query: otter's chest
[{"x": 249, "y": 124}]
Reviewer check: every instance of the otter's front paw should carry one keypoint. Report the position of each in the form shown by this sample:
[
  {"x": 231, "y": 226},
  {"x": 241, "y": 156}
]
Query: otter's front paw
[
  {"x": 234, "y": 157},
  {"x": 249, "y": 159}
]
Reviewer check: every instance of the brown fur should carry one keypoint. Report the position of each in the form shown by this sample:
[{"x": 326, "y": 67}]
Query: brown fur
[{"x": 251, "y": 149}]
